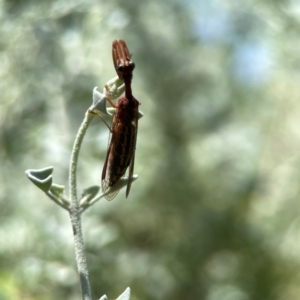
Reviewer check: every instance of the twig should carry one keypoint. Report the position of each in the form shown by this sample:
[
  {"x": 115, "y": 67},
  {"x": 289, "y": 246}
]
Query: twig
[{"x": 74, "y": 211}]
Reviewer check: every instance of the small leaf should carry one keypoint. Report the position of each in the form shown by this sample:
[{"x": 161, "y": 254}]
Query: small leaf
[
  {"x": 125, "y": 295},
  {"x": 42, "y": 178},
  {"x": 90, "y": 192},
  {"x": 99, "y": 101},
  {"x": 111, "y": 110},
  {"x": 58, "y": 191},
  {"x": 140, "y": 114},
  {"x": 116, "y": 87},
  {"x": 104, "y": 297}
]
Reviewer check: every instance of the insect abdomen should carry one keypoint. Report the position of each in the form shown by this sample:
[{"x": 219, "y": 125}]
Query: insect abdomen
[{"x": 123, "y": 139}]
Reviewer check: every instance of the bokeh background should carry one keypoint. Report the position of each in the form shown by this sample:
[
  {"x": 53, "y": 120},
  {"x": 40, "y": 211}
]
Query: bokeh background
[{"x": 215, "y": 211}]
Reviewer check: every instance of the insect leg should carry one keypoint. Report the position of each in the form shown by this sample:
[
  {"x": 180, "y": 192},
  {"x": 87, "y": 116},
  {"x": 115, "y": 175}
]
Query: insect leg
[
  {"x": 91, "y": 112},
  {"x": 108, "y": 97}
]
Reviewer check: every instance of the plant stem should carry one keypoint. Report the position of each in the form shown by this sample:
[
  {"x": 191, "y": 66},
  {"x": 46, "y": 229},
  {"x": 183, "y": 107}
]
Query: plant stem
[{"x": 74, "y": 211}]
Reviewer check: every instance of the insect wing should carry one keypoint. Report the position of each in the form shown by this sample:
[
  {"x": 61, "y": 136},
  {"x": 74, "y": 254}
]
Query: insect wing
[
  {"x": 110, "y": 195},
  {"x": 131, "y": 165},
  {"x": 104, "y": 184}
]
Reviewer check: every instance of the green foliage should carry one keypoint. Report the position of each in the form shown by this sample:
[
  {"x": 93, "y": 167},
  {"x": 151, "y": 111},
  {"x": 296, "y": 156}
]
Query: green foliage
[{"x": 41, "y": 178}]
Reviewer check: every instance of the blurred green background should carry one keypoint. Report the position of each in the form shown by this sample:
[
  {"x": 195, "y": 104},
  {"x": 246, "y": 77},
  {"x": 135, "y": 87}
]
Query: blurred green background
[{"x": 215, "y": 211}]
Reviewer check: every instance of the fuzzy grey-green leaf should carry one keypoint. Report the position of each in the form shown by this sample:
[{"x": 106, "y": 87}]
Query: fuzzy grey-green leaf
[
  {"x": 116, "y": 87},
  {"x": 42, "y": 178},
  {"x": 99, "y": 101},
  {"x": 125, "y": 295},
  {"x": 90, "y": 192},
  {"x": 58, "y": 191}
]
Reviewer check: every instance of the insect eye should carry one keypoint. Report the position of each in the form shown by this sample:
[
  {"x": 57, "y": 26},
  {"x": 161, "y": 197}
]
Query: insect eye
[
  {"x": 120, "y": 68},
  {"x": 132, "y": 65}
]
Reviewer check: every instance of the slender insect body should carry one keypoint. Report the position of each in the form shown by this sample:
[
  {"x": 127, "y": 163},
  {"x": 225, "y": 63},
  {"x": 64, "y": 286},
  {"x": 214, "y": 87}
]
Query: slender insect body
[
  {"x": 121, "y": 150},
  {"x": 123, "y": 140}
]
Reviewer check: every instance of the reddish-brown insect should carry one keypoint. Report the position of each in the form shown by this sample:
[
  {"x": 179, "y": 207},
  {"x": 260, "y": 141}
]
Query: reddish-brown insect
[{"x": 121, "y": 149}]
